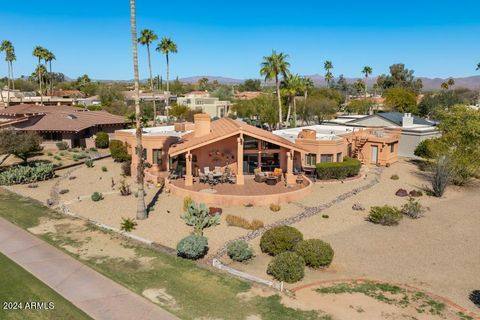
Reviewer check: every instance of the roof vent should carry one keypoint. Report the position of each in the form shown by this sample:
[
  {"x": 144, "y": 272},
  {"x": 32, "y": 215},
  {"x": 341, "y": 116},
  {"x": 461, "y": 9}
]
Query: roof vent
[{"x": 71, "y": 116}]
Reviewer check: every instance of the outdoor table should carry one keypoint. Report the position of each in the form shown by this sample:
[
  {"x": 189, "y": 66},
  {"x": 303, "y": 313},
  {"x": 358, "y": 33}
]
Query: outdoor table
[{"x": 271, "y": 181}]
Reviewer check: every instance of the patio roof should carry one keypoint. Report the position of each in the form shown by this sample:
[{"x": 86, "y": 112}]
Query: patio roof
[{"x": 225, "y": 128}]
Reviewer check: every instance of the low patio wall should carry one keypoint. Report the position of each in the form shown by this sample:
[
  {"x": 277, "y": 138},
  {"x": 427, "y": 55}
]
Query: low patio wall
[{"x": 228, "y": 200}]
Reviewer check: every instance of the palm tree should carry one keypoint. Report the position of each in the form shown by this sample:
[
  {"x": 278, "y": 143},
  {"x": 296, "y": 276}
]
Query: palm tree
[
  {"x": 141, "y": 211},
  {"x": 328, "y": 66},
  {"x": 292, "y": 84},
  {"x": 367, "y": 70},
  {"x": 9, "y": 58},
  {"x": 478, "y": 66},
  {"x": 39, "y": 52},
  {"x": 167, "y": 46},
  {"x": 49, "y": 56},
  {"x": 306, "y": 85},
  {"x": 147, "y": 36},
  {"x": 272, "y": 66}
]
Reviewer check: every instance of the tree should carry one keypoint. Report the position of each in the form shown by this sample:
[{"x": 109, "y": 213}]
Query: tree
[
  {"x": 359, "y": 106},
  {"x": 322, "y": 108},
  {"x": 147, "y": 36},
  {"x": 22, "y": 145},
  {"x": 179, "y": 111},
  {"x": 432, "y": 103},
  {"x": 202, "y": 84},
  {"x": 447, "y": 84},
  {"x": 261, "y": 108},
  {"x": 359, "y": 86},
  {"x": 49, "y": 56},
  {"x": 7, "y": 47},
  {"x": 141, "y": 210},
  {"x": 401, "y": 100},
  {"x": 292, "y": 85},
  {"x": 328, "y": 66},
  {"x": 250, "y": 85},
  {"x": 223, "y": 93},
  {"x": 167, "y": 46},
  {"x": 39, "y": 53},
  {"x": 272, "y": 66},
  {"x": 399, "y": 77},
  {"x": 367, "y": 70}
]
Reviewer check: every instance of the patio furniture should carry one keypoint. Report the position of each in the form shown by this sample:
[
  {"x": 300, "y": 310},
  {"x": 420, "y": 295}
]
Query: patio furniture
[
  {"x": 175, "y": 174},
  {"x": 271, "y": 180},
  {"x": 203, "y": 178},
  {"x": 232, "y": 179},
  {"x": 278, "y": 172},
  {"x": 206, "y": 170},
  {"x": 299, "y": 179},
  {"x": 212, "y": 180},
  {"x": 259, "y": 175},
  {"x": 311, "y": 173}
]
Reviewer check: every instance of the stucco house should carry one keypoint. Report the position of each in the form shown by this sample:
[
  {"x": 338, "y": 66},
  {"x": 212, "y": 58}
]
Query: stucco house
[{"x": 201, "y": 100}]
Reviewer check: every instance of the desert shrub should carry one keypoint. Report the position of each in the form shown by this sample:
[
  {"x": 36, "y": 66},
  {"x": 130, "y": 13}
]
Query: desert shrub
[
  {"x": 79, "y": 156},
  {"x": 102, "y": 140},
  {"x": 124, "y": 188},
  {"x": 325, "y": 216},
  {"x": 27, "y": 174},
  {"x": 426, "y": 149},
  {"x": 256, "y": 224},
  {"x": 280, "y": 239},
  {"x": 128, "y": 224},
  {"x": 236, "y": 221},
  {"x": 386, "y": 215},
  {"x": 315, "y": 252},
  {"x": 104, "y": 169},
  {"x": 57, "y": 158},
  {"x": 62, "y": 145},
  {"x": 93, "y": 149},
  {"x": 126, "y": 168},
  {"x": 89, "y": 163},
  {"x": 192, "y": 247},
  {"x": 96, "y": 196},
  {"x": 275, "y": 207},
  {"x": 401, "y": 193},
  {"x": 63, "y": 191},
  {"x": 187, "y": 201},
  {"x": 239, "y": 251},
  {"x": 338, "y": 170},
  {"x": 49, "y": 153},
  {"x": 440, "y": 176},
  {"x": 62, "y": 153},
  {"x": 118, "y": 150},
  {"x": 287, "y": 266},
  {"x": 413, "y": 209},
  {"x": 197, "y": 216},
  {"x": 394, "y": 177}
]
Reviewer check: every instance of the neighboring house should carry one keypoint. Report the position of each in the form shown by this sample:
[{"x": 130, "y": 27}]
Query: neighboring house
[
  {"x": 243, "y": 148},
  {"x": 72, "y": 125},
  {"x": 414, "y": 129},
  {"x": 247, "y": 95},
  {"x": 201, "y": 100},
  {"x": 148, "y": 96},
  {"x": 74, "y": 94},
  {"x": 89, "y": 101}
]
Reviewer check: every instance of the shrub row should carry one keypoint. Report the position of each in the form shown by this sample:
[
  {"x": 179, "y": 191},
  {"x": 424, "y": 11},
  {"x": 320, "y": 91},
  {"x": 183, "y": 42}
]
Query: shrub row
[
  {"x": 338, "y": 170},
  {"x": 27, "y": 174}
]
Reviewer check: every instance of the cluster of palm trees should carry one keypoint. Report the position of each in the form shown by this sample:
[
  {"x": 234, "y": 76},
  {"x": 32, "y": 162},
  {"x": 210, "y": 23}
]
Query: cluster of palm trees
[
  {"x": 165, "y": 46},
  {"x": 47, "y": 57},
  {"x": 7, "y": 47}
]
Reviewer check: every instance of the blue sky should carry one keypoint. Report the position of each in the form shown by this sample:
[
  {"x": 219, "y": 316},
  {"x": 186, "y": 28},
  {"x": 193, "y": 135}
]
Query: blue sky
[{"x": 228, "y": 38}]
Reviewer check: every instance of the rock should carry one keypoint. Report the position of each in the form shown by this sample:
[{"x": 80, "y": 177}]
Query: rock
[
  {"x": 358, "y": 207},
  {"x": 49, "y": 202},
  {"x": 401, "y": 193}
]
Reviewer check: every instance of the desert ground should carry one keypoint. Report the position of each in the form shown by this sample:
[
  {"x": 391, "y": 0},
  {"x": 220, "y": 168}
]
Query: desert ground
[{"x": 437, "y": 253}]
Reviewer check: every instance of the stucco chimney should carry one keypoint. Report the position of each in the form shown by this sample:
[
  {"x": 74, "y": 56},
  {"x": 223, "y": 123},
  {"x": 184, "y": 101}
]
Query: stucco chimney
[
  {"x": 202, "y": 124},
  {"x": 407, "y": 120}
]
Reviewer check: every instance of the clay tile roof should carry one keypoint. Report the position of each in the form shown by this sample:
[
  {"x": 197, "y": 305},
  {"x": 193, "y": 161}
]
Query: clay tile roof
[
  {"x": 224, "y": 128},
  {"x": 61, "y": 118}
]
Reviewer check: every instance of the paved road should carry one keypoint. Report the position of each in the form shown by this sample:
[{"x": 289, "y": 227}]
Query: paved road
[{"x": 96, "y": 295}]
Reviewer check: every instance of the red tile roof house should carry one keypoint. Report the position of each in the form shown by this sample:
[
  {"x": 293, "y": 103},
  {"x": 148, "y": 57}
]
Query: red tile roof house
[
  {"x": 75, "y": 126},
  {"x": 207, "y": 145}
]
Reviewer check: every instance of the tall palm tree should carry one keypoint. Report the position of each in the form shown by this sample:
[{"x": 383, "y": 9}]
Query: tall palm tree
[
  {"x": 306, "y": 85},
  {"x": 39, "y": 53},
  {"x": 141, "y": 210},
  {"x": 328, "y": 66},
  {"x": 7, "y": 47},
  {"x": 167, "y": 46},
  {"x": 292, "y": 85},
  {"x": 272, "y": 66},
  {"x": 147, "y": 37},
  {"x": 49, "y": 56},
  {"x": 367, "y": 70}
]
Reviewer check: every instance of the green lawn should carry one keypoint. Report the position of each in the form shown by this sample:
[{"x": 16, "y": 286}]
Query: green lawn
[
  {"x": 17, "y": 285},
  {"x": 197, "y": 292}
]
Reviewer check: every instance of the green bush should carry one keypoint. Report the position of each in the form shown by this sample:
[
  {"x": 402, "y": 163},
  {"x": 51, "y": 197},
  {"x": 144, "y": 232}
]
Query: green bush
[
  {"x": 27, "y": 174},
  {"x": 315, "y": 252},
  {"x": 89, "y": 163},
  {"x": 280, "y": 239},
  {"x": 338, "y": 170},
  {"x": 118, "y": 150},
  {"x": 239, "y": 251},
  {"x": 62, "y": 145},
  {"x": 192, "y": 247},
  {"x": 128, "y": 224},
  {"x": 386, "y": 215},
  {"x": 79, "y": 156},
  {"x": 394, "y": 177},
  {"x": 104, "y": 169},
  {"x": 427, "y": 149},
  {"x": 287, "y": 266},
  {"x": 96, "y": 196},
  {"x": 102, "y": 140},
  {"x": 413, "y": 209}
]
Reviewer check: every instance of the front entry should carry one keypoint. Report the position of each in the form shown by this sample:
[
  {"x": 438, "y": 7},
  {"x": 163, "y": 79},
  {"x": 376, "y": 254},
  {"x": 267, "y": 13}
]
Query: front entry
[{"x": 374, "y": 155}]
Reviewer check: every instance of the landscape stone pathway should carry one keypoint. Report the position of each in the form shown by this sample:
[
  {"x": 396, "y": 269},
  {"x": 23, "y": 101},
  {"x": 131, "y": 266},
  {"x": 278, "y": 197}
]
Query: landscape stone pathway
[
  {"x": 98, "y": 296},
  {"x": 306, "y": 213}
]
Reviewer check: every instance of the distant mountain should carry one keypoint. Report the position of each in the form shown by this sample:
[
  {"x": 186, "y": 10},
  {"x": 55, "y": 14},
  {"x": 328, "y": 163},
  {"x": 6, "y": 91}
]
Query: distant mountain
[{"x": 222, "y": 80}]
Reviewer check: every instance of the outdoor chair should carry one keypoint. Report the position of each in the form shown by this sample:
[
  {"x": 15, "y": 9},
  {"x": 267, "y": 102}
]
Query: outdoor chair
[
  {"x": 278, "y": 172},
  {"x": 203, "y": 178},
  {"x": 211, "y": 179},
  {"x": 206, "y": 170},
  {"x": 259, "y": 175}
]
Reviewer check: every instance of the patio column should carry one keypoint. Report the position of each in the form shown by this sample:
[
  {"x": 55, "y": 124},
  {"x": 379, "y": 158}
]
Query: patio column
[
  {"x": 188, "y": 175},
  {"x": 289, "y": 177},
  {"x": 259, "y": 157},
  {"x": 240, "y": 177}
]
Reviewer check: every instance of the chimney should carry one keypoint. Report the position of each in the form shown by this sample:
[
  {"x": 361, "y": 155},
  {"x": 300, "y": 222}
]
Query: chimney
[
  {"x": 407, "y": 120},
  {"x": 202, "y": 124}
]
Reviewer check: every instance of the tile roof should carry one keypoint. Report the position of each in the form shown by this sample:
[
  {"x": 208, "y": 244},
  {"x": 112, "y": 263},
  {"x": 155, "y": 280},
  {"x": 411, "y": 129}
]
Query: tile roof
[
  {"x": 60, "y": 118},
  {"x": 224, "y": 128}
]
